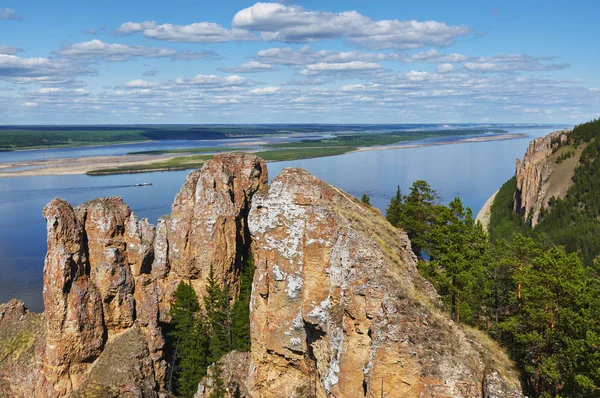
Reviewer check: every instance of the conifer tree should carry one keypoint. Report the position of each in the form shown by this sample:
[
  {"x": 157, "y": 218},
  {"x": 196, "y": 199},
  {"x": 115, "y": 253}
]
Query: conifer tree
[
  {"x": 218, "y": 317},
  {"x": 394, "y": 209},
  {"x": 190, "y": 341},
  {"x": 365, "y": 199},
  {"x": 241, "y": 308}
]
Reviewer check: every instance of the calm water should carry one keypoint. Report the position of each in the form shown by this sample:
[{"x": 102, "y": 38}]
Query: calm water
[{"x": 472, "y": 171}]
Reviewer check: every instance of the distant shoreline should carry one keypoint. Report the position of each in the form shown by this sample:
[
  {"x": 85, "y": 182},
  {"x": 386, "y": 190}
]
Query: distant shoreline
[{"x": 85, "y": 165}]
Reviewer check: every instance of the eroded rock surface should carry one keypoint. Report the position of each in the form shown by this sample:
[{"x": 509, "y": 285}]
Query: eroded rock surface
[
  {"x": 22, "y": 343},
  {"x": 338, "y": 305},
  {"x": 207, "y": 225},
  {"x": 532, "y": 175}
]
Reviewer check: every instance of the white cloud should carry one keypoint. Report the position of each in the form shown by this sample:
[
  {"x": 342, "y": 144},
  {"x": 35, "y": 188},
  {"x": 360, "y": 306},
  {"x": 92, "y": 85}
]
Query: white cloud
[
  {"x": 97, "y": 49},
  {"x": 213, "y": 81},
  {"x": 9, "y": 50},
  {"x": 305, "y": 55},
  {"x": 199, "y": 32},
  {"x": 129, "y": 28},
  {"x": 9, "y": 13},
  {"x": 39, "y": 70},
  {"x": 444, "y": 68},
  {"x": 113, "y": 52},
  {"x": 278, "y": 22},
  {"x": 512, "y": 63},
  {"x": 342, "y": 67},
  {"x": 139, "y": 83},
  {"x": 30, "y": 104},
  {"x": 266, "y": 90},
  {"x": 249, "y": 67},
  {"x": 432, "y": 56}
]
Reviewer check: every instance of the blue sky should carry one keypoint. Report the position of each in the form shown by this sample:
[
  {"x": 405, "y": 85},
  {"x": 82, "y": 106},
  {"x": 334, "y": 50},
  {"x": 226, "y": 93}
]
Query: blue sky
[{"x": 352, "y": 61}]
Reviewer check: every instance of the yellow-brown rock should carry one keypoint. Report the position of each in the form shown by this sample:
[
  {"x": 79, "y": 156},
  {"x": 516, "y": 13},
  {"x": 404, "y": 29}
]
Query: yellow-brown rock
[
  {"x": 207, "y": 225},
  {"x": 533, "y": 174},
  {"x": 339, "y": 307}
]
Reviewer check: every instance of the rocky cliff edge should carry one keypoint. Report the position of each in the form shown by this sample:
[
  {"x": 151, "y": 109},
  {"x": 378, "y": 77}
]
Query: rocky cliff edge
[{"x": 338, "y": 308}]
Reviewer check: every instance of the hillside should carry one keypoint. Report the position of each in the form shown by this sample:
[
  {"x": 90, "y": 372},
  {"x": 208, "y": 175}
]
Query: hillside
[{"x": 557, "y": 192}]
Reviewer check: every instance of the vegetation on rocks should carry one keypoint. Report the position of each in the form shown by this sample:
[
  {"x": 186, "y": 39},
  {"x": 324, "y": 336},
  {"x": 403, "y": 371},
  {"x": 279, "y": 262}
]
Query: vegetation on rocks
[
  {"x": 201, "y": 335},
  {"x": 537, "y": 299}
]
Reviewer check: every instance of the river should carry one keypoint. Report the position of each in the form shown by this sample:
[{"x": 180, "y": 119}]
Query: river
[{"x": 472, "y": 171}]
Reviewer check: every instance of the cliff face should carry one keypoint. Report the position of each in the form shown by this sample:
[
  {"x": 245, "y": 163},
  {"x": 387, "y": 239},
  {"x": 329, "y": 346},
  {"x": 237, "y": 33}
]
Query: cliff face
[
  {"x": 533, "y": 175},
  {"x": 207, "y": 226},
  {"x": 337, "y": 303}
]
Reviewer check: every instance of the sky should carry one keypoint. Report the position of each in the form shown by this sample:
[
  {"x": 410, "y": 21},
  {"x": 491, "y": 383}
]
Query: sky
[{"x": 338, "y": 61}]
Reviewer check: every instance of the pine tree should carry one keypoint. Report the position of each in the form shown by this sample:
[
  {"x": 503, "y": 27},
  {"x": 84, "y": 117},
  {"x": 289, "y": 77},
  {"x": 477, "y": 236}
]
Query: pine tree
[
  {"x": 218, "y": 315},
  {"x": 394, "y": 209},
  {"x": 241, "y": 308},
  {"x": 365, "y": 199},
  {"x": 190, "y": 341}
]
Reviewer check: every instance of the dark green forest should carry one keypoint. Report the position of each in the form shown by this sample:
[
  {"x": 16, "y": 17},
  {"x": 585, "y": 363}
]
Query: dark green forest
[{"x": 538, "y": 300}]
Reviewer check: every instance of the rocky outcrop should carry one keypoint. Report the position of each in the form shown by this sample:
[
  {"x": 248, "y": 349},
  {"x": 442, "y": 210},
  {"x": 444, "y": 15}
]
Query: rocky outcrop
[
  {"x": 207, "y": 226},
  {"x": 96, "y": 287},
  {"x": 338, "y": 306},
  {"x": 109, "y": 279},
  {"x": 533, "y": 174}
]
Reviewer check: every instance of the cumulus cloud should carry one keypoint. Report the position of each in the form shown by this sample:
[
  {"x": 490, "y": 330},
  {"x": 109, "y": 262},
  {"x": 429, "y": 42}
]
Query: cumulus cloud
[
  {"x": 266, "y": 90},
  {"x": 512, "y": 63},
  {"x": 139, "y": 83},
  {"x": 39, "y": 70},
  {"x": 305, "y": 55},
  {"x": 353, "y": 66},
  {"x": 199, "y": 32},
  {"x": 9, "y": 13},
  {"x": 9, "y": 50},
  {"x": 249, "y": 67},
  {"x": 213, "y": 81},
  {"x": 444, "y": 68},
  {"x": 113, "y": 52},
  {"x": 278, "y": 22},
  {"x": 431, "y": 56}
]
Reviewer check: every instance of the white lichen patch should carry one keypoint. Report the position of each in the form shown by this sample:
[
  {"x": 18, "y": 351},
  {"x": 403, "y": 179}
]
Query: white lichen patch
[
  {"x": 336, "y": 344},
  {"x": 295, "y": 341},
  {"x": 320, "y": 312},
  {"x": 298, "y": 322},
  {"x": 278, "y": 274},
  {"x": 294, "y": 286}
]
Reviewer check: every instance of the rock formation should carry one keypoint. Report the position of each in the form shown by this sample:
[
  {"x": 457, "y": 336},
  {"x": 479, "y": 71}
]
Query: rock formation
[
  {"x": 533, "y": 174},
  {"x": 207, "y": 226},
  {"x": 337, "y": 305}
]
